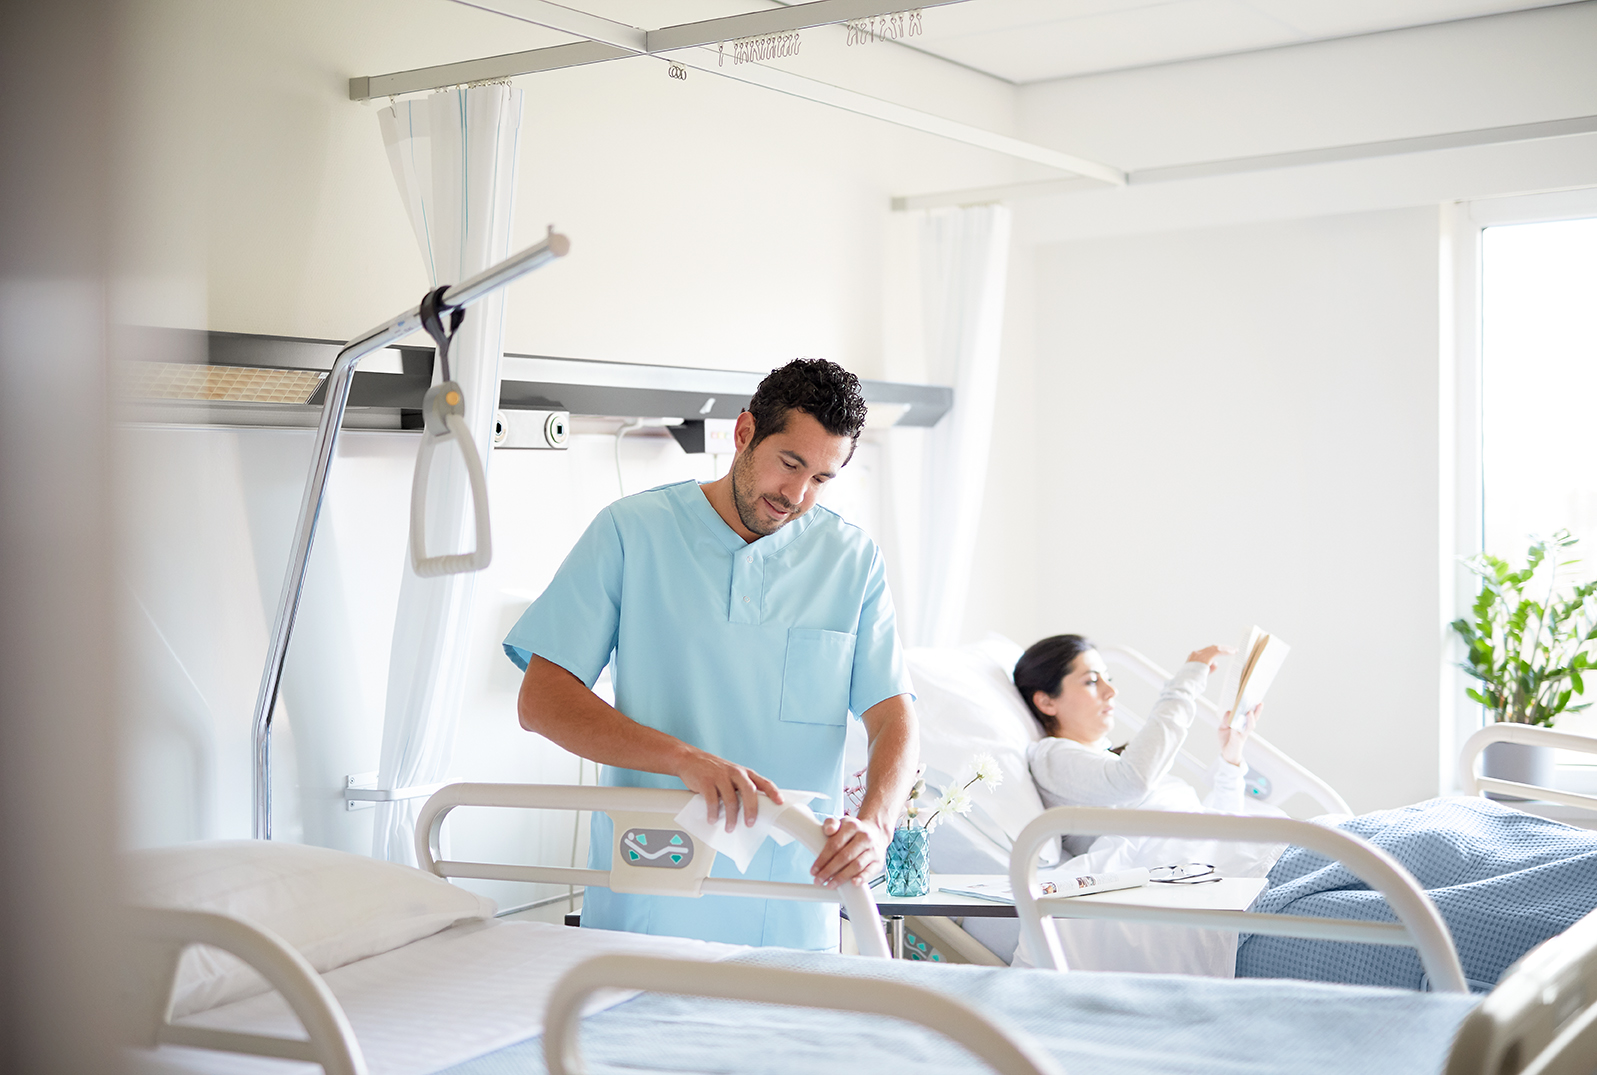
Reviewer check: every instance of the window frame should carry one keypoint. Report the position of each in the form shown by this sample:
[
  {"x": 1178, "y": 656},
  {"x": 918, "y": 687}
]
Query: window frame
[{"x": 1462, "y": 485}]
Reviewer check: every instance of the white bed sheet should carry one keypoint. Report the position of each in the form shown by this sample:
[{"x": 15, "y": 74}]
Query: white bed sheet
[{"x": 435, "y": 1002}]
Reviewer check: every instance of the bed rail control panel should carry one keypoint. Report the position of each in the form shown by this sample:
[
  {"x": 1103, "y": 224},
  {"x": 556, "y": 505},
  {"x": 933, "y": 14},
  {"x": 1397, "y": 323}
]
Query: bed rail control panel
[
  {"x": 652, "y": 856},
  {"x": 516, "y": 428}
]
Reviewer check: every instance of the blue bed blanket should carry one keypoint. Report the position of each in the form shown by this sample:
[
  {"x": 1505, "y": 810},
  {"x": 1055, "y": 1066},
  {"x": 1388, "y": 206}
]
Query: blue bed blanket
[
  {"x": 1504, "y": 880},
  {"x": 1093, "y": 1023}
]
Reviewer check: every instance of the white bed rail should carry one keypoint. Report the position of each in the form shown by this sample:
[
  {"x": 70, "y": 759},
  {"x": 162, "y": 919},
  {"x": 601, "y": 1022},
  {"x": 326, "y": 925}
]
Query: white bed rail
[
  {"x": 167, "y": 932},
  {"x": 1542, "y": 1017},
  {"x": 1005, "y": 1049},
  {"x": 1525, "y": 735},
  {"x": 1419, "y": 923},
  {"x": 1287, "y": 777},
  {"x": 794, "y": 819}
]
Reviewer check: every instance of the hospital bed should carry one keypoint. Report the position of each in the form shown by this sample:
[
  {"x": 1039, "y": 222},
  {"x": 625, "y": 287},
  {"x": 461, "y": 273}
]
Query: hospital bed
[
  {"x": 966, "y": 700},
  {"x": 481, "y": 996}
]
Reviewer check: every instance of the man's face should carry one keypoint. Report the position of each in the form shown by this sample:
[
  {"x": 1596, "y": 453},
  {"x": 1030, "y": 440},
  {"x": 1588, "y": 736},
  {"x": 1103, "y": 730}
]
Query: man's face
[{"x": 779, "y": 479}]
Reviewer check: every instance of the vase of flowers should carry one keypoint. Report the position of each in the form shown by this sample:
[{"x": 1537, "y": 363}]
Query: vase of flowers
[
  {"x": 1529, "y": 656},
  {"x": 909, "y": 855}
]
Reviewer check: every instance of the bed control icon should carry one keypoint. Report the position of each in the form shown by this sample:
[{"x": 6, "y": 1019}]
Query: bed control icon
[{"x": 665, "y": 849}]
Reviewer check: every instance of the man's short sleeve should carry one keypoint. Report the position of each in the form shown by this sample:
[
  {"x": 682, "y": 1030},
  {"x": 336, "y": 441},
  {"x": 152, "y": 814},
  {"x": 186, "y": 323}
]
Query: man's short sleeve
[
  {"x": 574, "y": 621},
  {"x": 879, "y": 671}
]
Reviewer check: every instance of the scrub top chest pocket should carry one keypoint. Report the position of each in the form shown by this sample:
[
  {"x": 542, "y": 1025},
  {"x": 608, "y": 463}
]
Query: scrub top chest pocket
[{"x": 816, "y": 676}]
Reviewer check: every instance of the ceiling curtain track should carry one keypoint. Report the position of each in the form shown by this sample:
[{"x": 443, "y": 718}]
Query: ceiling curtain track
[
  {"x": 454, "y": 158},
  {"x": 964, "y": 262}
]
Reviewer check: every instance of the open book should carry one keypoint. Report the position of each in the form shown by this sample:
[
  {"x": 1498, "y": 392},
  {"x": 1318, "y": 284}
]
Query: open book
[{"x": 1250, "y": 674}]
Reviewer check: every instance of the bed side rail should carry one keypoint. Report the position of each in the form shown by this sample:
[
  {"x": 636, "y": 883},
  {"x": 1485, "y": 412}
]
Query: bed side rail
[
  {"x": 1419, "y": 923},
  {"x": 1005, "y": 1049},
  {"x": 1288, "y": 776},
  {"x": 165, "y": 933},
  {"x": 657, "y": 805},
  {"x": 1542, "y": 1017},
  {"x": 1526, "y": 735}
]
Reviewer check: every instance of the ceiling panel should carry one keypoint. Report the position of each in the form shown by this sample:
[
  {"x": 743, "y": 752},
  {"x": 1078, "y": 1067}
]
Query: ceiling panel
[{"x": 1035, "y": 40}]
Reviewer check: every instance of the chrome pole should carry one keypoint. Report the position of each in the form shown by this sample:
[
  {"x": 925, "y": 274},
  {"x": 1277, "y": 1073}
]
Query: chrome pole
[{"x": 310, "y": 508}]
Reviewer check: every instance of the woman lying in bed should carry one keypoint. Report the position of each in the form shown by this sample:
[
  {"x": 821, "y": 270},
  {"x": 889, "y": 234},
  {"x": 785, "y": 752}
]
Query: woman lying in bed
[{"x": 1504, "y": 880}]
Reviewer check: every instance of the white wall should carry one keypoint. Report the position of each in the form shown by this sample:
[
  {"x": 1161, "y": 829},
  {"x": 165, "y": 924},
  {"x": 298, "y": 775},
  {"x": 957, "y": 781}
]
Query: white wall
[
  {"x": 1150, "y": 332},
  {"x": 713, "y": 224},
  {"x": 1238, "y": 425}
]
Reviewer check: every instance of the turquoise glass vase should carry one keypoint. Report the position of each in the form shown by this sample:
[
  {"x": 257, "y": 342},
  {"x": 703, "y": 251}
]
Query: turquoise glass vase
[{"x": 909, "y": 859}]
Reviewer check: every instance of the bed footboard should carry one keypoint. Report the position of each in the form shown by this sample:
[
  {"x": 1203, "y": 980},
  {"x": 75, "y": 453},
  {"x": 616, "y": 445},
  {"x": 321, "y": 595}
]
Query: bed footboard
[
  {"x": 1007, "y": 1050},
  {"x": 1420, "y": 924},
  {"x": 1526, "y": 735},
  {"x": 165, "y": 933}
]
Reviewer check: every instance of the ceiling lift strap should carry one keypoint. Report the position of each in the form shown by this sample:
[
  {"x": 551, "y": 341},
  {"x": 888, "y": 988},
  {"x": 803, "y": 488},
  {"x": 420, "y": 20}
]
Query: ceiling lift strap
[{"x": 444, "y": 414}]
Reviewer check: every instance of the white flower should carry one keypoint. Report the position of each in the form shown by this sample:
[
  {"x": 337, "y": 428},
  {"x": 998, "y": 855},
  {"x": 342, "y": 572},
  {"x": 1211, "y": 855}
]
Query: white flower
[
  {"x": 955, "y": 800},
  {"x": 987, "y": 770}
]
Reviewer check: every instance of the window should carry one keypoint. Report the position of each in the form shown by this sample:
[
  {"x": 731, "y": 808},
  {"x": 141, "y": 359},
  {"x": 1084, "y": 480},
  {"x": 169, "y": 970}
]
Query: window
[{"x": 1538, "y": 408}]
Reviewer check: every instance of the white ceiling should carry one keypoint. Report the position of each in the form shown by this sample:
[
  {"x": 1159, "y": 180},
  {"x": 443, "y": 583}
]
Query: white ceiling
[{"x": 1034, "y": 40}]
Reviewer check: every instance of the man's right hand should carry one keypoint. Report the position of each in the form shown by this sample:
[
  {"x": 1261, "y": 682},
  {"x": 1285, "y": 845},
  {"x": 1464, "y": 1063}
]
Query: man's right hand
[{"x": 724, "y": 784}]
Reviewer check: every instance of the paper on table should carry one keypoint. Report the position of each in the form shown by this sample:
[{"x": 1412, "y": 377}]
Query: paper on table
[
  {"x": 743, "y": 841},
  {"x": 1056, "y": 884}
]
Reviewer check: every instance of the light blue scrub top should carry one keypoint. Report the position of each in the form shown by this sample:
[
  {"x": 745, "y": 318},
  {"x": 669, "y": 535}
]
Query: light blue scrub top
[{"x": 754, "y": 652}]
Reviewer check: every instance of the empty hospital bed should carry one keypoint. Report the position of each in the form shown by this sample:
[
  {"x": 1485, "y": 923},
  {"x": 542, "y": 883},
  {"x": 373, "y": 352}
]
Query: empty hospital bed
[{"x": 479, "y": 997}]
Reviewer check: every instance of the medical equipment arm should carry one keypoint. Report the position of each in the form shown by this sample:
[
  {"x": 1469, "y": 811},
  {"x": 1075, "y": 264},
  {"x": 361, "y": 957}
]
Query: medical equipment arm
[
  {"x": 794, "y": 819},
  {"x": 1004, "y": 1049},
  {"x": 166, "y": 932},
  {"x": 1419, "y": 924},
  {"x": 337, "y": 386}
]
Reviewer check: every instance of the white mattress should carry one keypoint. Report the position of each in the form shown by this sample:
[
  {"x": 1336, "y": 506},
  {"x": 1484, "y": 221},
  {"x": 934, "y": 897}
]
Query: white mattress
[{"x": 434, "y": 1003}]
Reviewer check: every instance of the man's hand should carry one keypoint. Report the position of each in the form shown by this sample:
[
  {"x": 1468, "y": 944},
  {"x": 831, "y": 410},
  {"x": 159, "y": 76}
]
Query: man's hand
[
  {"x": 725, "y": 784},
  {"x": 853, "y": 853}
]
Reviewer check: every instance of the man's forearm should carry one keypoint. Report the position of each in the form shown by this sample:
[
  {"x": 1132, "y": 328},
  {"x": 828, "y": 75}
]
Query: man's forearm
[
  {"x": 558, "y": 706},
  {"x": 894, "y": 750}
]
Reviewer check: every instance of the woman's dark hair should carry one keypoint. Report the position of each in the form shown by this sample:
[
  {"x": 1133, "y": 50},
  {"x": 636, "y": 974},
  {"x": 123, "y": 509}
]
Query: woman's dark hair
[
  {"x": 1042, "y": 668},
  {"x": 823, "y": 390}
]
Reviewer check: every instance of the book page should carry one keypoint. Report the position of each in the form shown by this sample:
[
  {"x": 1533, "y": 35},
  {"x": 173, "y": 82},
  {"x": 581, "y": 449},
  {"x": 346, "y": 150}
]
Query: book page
[
  {"x": 1267, "y": 659},
  {"x": 1231, "y": 686}
]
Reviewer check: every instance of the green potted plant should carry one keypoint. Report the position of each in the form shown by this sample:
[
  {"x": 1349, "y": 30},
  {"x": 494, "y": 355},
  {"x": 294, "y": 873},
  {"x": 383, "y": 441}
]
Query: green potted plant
[{"x": 1530, "y": 656}]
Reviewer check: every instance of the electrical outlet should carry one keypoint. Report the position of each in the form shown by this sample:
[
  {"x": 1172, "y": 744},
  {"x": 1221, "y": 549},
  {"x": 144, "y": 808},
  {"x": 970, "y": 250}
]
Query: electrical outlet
[{"x": 532, "y": 429}]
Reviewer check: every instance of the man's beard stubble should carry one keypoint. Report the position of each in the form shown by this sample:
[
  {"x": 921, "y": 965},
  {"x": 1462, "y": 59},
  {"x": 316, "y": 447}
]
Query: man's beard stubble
[{"x": 747, "y": 502}]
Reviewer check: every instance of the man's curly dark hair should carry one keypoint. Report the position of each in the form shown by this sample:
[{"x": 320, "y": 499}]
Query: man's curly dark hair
[{"x": 823, "y": 390}]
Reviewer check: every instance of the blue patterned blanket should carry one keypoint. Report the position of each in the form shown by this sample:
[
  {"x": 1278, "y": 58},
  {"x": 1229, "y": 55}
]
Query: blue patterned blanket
[{"x": 1504, "y": 880}]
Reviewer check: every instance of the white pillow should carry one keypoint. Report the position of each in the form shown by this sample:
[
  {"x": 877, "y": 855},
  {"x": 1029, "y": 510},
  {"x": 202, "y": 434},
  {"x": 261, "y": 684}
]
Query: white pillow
[
  {"x": 331, "y": 906},
  {"x": 968, "y": 705}
]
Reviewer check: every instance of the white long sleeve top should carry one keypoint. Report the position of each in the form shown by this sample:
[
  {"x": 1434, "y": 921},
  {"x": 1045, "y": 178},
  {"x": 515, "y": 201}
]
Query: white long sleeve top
[{"x": 1068, "y": 773}]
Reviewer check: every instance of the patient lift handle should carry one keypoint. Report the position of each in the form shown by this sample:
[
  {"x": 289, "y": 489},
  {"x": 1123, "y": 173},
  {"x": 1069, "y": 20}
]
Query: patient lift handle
[{"x": 444, "y": 414}]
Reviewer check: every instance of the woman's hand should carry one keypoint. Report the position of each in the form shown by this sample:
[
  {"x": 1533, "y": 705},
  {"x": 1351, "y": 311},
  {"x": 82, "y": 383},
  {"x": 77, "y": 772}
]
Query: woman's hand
[
  {"x": 1232, "y": 740},
  {"x": 1208, "y": 654}
]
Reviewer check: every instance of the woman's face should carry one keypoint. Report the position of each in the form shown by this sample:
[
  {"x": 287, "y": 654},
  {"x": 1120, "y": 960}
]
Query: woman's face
[{"x": 1083, "y": 708}]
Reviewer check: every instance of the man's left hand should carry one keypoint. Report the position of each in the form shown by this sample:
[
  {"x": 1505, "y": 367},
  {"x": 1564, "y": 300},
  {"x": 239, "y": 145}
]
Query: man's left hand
[{"x": 853, "y": 853}]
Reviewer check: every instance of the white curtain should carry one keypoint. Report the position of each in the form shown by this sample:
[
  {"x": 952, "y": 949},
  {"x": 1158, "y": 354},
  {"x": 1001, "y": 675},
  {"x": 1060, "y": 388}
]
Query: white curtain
[
  {"x": 964, "y": 259},
  {"x": 454, "y": 158}
]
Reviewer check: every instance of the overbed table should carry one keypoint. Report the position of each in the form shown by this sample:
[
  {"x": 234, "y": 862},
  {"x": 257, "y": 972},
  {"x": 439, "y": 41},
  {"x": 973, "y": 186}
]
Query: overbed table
[{"x": 1227, "y": 894}]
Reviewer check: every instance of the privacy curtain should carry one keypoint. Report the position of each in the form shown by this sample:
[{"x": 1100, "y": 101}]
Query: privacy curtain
[
  {"x": 964, "y": 255},
  {"x": 454, "y": 158}
]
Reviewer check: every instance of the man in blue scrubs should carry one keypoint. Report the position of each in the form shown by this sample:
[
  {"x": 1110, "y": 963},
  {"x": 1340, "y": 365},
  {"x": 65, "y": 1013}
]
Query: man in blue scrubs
[{"x": 745, "y": 624}]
